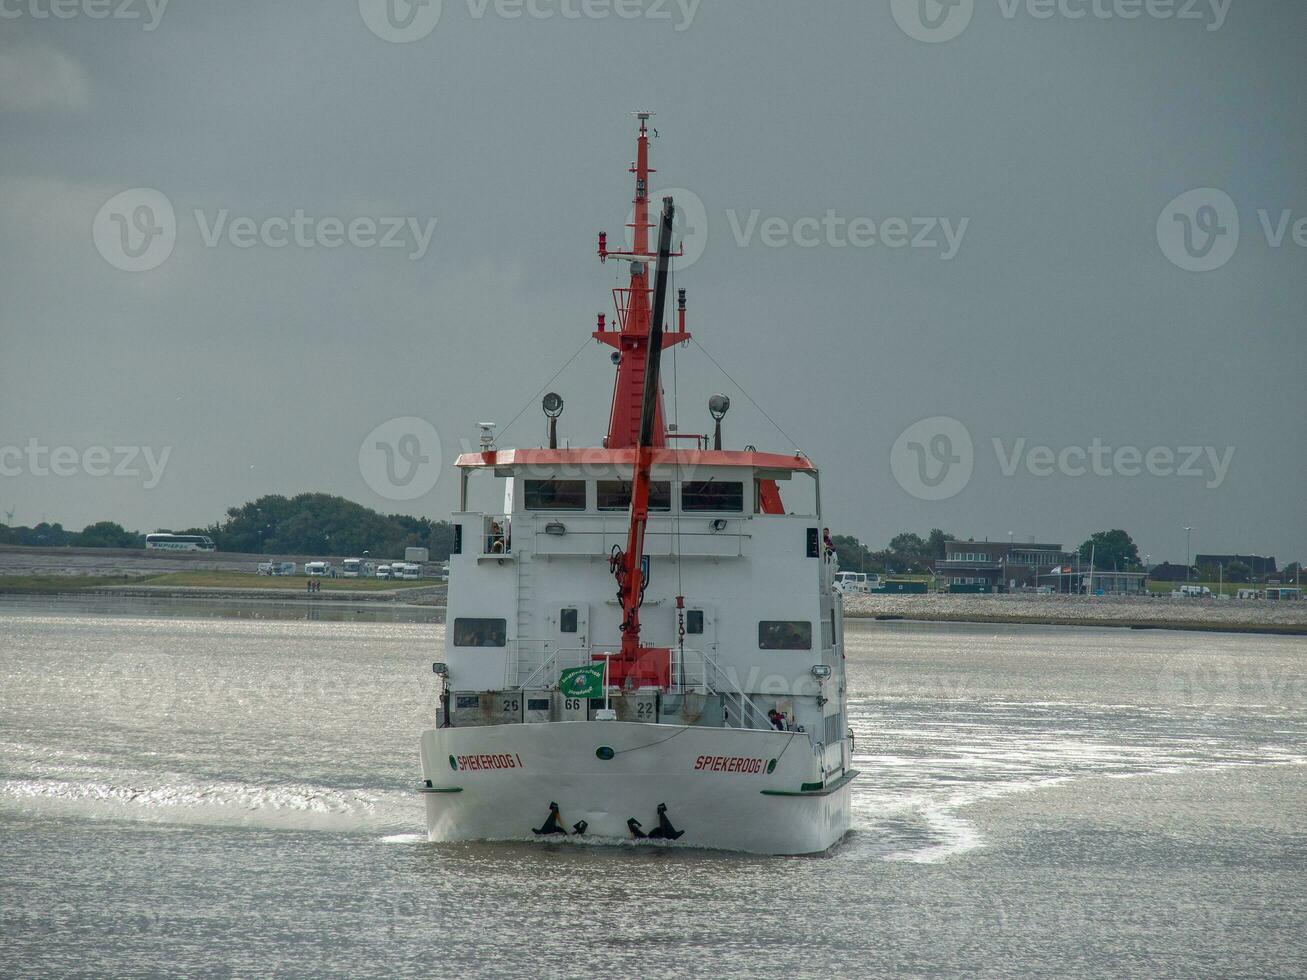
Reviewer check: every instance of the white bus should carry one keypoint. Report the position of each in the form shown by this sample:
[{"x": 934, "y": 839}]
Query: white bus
[
  {"x": 166, "y": 541},
  {"x": 850, "y": 582}
]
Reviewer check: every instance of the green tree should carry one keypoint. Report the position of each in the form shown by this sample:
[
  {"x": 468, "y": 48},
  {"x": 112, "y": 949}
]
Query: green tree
[
  {"x": 935, "y": 542},
  {"x": 1111, "y": 550},
  {"x": 108, "y": 534},
  {"x": 852, "y": 554},
  {"x": 1238, "y": 571}
]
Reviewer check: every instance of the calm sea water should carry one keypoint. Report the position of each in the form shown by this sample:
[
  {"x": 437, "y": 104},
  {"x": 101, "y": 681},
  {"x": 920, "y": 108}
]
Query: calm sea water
[{"x": 232, "y": 796}]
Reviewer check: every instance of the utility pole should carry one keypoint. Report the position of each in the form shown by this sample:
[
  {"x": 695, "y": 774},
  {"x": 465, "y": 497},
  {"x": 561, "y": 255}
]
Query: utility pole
[{"x": 1188, "y": 553}]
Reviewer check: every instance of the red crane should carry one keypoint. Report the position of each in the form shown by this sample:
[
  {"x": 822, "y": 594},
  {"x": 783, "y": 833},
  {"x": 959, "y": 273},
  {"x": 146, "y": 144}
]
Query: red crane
[{"x": 644, "y": 665}]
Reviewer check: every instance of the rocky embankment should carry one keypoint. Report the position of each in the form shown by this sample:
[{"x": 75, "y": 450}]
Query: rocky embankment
[{"x": 1073, "y": 610}]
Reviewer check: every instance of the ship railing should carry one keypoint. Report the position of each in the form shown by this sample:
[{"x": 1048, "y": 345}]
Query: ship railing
[
  {"x": 692, "y": 671},
  {"x": 745, "y": 713}
]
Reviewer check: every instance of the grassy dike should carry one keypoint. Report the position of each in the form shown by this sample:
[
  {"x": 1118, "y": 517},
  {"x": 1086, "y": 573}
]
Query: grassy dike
[{"x": 217, "y": 581}]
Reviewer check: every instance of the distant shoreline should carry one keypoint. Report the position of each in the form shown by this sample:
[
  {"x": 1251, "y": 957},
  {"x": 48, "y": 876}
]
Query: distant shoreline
[
  {"x": 1158, "y": 624},
  {"x": 1071, "y": 611},
  {"x": 1118, "y": 612}
]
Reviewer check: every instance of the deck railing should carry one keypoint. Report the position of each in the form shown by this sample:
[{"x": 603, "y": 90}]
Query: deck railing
[{"x": 692, "y": 671}]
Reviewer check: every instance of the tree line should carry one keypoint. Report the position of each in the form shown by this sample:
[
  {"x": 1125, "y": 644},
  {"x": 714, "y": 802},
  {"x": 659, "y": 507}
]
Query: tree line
[
  {"x": 306, "y": 524},
  {"x": 910, "y": 553}
]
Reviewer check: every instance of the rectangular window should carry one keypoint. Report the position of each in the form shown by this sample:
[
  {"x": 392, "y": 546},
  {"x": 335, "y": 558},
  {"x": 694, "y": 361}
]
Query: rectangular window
[
  {"x": 694, "y": 621},
  {"x": 712, "y": 495},
  {"x": 616, "y": 495},
  {"x": 537, "y": 704},
  {"x": 554, "y": 494},
  {"x": 784, "y": 634},
  {"x": 567, "y": 621},
  {"x": 480, "y": 632}
]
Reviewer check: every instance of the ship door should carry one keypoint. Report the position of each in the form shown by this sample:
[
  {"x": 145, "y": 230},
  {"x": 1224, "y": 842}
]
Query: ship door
[
  {"x": 572, "y": 636},
  {"x": 700, "y": 636}
]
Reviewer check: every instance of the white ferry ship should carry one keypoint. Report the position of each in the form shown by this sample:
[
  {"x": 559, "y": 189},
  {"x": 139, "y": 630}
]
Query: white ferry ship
[{"x": 645, "y": 640}]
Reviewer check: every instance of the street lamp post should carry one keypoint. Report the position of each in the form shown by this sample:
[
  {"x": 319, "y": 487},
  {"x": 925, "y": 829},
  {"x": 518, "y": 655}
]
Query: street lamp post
[{"x": 1188, "y": 553}]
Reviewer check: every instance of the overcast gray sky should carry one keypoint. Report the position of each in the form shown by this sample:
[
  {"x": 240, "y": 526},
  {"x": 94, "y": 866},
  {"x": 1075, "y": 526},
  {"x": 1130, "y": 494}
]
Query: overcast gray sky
[{"x": 966, "y": 213}]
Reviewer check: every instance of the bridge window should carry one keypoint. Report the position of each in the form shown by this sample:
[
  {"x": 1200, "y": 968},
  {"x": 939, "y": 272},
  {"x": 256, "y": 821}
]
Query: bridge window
[
  {"x": 712, "y": 495},
  {"x": 616, "y": 495},
  {"x": 480, "y": 632},
  {"x": 784, "y": 634},
  {"x": 554, "y": 494}
]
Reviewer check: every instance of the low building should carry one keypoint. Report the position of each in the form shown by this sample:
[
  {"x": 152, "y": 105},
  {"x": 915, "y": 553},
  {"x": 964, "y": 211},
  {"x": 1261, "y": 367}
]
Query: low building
[
  {"x": 997, "y": 566},
  {"x": 1167, "y": 572}
]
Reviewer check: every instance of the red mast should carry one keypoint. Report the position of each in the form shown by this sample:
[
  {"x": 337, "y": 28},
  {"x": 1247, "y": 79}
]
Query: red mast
[{"x": 631, "y": 336}]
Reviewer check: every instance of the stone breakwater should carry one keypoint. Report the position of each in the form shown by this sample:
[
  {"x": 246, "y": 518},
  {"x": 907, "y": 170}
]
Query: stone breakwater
[{"x": 1086, "y": 610}]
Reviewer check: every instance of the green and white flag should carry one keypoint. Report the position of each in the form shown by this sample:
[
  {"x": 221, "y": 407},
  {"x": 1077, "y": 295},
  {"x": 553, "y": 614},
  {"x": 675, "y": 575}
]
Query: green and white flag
[{"x": 582, "y": 682}]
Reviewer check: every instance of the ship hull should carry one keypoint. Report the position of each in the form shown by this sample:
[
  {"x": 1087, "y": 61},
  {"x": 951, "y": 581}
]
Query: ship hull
[{"x": 741, "y": 790}]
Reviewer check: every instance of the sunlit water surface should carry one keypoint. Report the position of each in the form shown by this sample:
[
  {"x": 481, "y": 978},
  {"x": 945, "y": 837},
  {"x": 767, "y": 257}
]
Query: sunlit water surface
[{"x": 233, "y": 795}]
